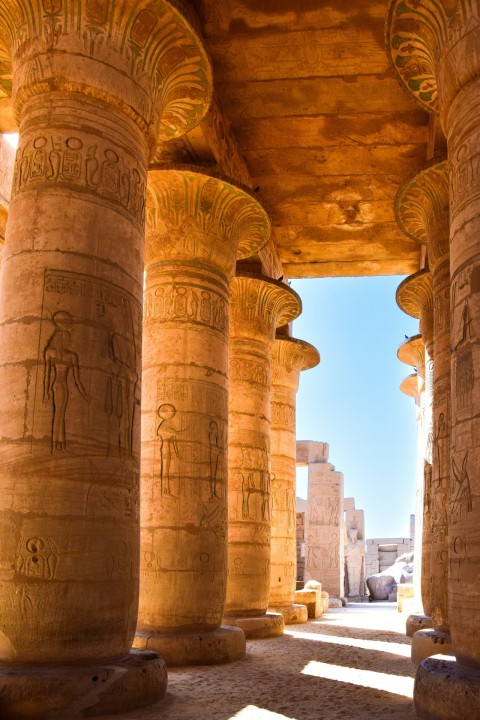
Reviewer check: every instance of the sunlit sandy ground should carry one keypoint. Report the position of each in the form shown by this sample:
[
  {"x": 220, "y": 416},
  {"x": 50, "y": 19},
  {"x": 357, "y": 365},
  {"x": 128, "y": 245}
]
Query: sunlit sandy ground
[{"x": 353, "y": 664}]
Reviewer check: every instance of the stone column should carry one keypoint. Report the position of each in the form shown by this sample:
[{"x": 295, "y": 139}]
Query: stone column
[
  {"x": 422, "y": 213},
  {"x": 94, "y": 87},
  {"x": 434, "y": 49},
  {"x": 412, "y": 352},
  {"x": 354, "y": 551},
  {"x": 258, "y": 305},
  {"x": 324, "y": 527},
  {"x": 415, "y": 297},
  {"x": 198, "y": 225},
  {"x": 290, "y": 357}
]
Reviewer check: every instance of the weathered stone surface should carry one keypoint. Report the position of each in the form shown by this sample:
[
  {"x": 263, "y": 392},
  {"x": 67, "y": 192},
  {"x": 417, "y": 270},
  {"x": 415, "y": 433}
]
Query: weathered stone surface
[
  {"x": 258, "y": 306},
  {"x": 417, "y": 622},
  {"x": 324, "y": 526},
  {"x": 382, "y": 584},
  {"x": 190, "y": 262},
  {"x": 312, "y": 599},
  {"x": 428, "y": 642},
  {"x": 46, "y": 693},
  {"x": 290, "y": 356},
  {"x": 71, "y": 340}
]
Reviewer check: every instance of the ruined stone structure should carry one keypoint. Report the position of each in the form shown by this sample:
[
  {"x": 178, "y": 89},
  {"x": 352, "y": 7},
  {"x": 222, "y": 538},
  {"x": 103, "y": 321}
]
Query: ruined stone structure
[
  {"x": 354, "y": 552},
  {"x": 324, "y": 529},
  {"x": 165, "y": 141}
]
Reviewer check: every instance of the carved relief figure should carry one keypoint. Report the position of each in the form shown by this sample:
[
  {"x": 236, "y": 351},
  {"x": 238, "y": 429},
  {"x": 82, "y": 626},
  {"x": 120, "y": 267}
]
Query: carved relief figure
[
  {"x": 59, "y": 360},
  {"x": 38, "y": 558},
  {"x": 122, "y": 392},
  {"x": 247, "y": 486},
  {"x": 461, "y": 495},
  {"x": 168, "y": 434},
  {"x": 214, "y": 455}
]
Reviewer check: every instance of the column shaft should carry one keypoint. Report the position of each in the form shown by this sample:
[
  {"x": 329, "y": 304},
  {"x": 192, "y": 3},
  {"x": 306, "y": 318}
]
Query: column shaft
[
  {"x": 257, "y": 305},
  {"x": 463, "y": 135},
  {"x": 198, "y": 225},
  {"x": 70, "y": 351},
  {"x": 290, "y": 356}
]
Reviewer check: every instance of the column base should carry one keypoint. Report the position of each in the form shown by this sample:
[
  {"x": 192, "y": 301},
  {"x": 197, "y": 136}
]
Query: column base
[
  {"x": 264, "y": 626},
  {"x": 445, "y": 690},
  {"x": 292, "y": 614},
  {"x": 417, "y": 622},
  {"x": 214, "y": 647},
  {"x": 57, "y": 693},
  {"x": 426, "y": 643}
]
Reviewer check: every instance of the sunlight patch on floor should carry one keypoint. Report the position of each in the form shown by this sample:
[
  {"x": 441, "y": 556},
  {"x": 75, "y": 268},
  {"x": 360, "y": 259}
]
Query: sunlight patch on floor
[
  {"x": 252, "y": 712},
  {"x": 377, "y": 645},
  {"x": 395, "y": 684}
]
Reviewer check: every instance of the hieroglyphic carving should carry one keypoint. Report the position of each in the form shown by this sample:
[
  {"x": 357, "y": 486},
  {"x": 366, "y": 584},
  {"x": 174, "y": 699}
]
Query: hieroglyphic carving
[
  {"x": 181, "y": 302},
  {"x": 59, "y": 360},
  {"x": 155, "y": 50},
  {"x": 257, "y": 298},
  {"x": 460, "y": 491},
  {"x": 190, "y": 445},
  {"x": 96, "y": 325},
  {"x": 66, "y": 160}
]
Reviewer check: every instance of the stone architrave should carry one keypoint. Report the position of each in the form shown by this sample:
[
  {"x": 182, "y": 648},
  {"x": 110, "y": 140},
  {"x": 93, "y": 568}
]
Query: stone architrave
[
  {"x": 422, "y": 213},
  {"x": 95, "y": 86},
  {"x": 354, "y": 549},
  {"x": 258, "y": 306},
  {"x": 198, "y": 225},
  {"x": 412, "y": 352},
  {"x": 324, "y": 532},
  {"x": 434, "y": 50},
  {"x": 290, "y": 357}
]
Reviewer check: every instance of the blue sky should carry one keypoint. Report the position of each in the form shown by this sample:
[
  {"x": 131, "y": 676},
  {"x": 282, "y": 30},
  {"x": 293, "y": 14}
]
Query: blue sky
[{"x": 352, "y": 399}]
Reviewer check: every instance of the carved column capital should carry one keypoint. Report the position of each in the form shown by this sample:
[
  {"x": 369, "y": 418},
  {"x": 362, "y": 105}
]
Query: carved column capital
[
  {"x": 289, "y": 357},
  {"x": 146, "y": 59},
  {"x": 422, "y": 210},
  {"x": 432, "y": 46},
  {"x": 259, "y": 304},
  {"x": 409, "y": 386},
  {"x": 415, "y": 297},
  {"x": 412, "y": 352},
  {"x": 191, "y": 213}
]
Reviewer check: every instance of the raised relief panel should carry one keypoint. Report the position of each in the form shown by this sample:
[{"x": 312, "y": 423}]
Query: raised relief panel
[
  {"x": 71, "y": 161},
  {"x": 87, "y": 384}
]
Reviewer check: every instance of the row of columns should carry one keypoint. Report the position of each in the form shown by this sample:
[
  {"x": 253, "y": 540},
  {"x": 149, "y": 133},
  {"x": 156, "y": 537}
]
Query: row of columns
[
  {"x": 138, "y": 502},
  {"x": 434, "y": 50}
]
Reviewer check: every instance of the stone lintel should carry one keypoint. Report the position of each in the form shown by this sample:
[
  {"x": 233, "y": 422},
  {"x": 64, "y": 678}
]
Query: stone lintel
[{"x": 311, "y": 451}]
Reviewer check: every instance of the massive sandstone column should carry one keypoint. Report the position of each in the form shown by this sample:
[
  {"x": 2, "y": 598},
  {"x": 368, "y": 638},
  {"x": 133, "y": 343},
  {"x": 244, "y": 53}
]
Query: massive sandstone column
[
  {"x": 415, "y": 297},
  {"x": 422, "y": 213},
  {"x": 96, "y": 84},
  {"x": 257, "y": 307},
  {"x": 198, "y": 225},
  {"x": 412, "y": 352},
  {"x": 290, "y": 357},
  {"x": 434, "y": 49}
]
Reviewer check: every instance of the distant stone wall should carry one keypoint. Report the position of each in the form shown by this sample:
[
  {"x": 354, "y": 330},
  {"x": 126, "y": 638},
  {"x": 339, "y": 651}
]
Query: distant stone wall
[{"x": 382, "y": 552}]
